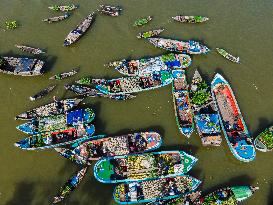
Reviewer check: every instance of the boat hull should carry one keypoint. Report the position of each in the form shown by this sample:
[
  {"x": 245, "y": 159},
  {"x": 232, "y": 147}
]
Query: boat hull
[
  {"x": 138, "y": 167},
  {"x": 103, "y": 146},
  {"x": 264, "y": 141},
  {"x": 232, "y": 122},
  {"x": 152, "y": 190},
  {"x": 182, "y": 106},
  {"x": 57, "y": 138}
]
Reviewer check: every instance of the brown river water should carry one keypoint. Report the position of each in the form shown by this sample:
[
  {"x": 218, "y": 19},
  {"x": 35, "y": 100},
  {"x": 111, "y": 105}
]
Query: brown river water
[{"x": 245, "y": 28}]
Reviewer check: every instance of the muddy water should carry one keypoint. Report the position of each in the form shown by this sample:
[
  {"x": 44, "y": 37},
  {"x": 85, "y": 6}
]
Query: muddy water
[{"x": 245, "y": 28}]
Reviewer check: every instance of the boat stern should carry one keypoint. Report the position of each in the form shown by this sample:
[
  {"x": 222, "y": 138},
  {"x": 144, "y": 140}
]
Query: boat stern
[
  {"x": 244, "y": 152},
  {"x": 188, "y": 160},
  {"x": 27, "y": 128},
  {"x": 153, "y": 139},
  {"x": 103, "y": 170},
  {"x": 23, "y": 144},
  {"x": 241, "y": 193}
]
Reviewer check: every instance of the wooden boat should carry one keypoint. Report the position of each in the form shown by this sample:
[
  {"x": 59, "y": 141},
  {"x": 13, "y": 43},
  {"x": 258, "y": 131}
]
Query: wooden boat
[
  {"x": 42, "y": 93},
  {"x": 151, "y": 190},
  {"x": 190, "y": 19},
  {"x": 182, "y": 105},
  {"x": 149, "y": 34},
  {"x": 76, "y": 33},
  {"x": 54, "y": 108},
  {"x": 188, "y": 47},
  {"x": 56, "y": 18},
  {"x": 83, "y": 90},
  {"x": 264, "y": 141},
  {"x": 104, "y": 146},
  {"x": 232, "y": 122},
  {"x": 28, "y": 49},
  {"x": 70, "y": 185},
  {"x": 64, "y": 75},
  {"x": 72, "y": 118},
  {"x": 138, "y": 167},
  {"x": 187, "y": 199},
  {"x": 132, "y": 84},
  {"x": 21, "y": 66},
  {"x": 207, "y": 119},
  {"x": 147, "y": 66},
  {"x": 56, "y": 138},
  {"x": 228, "y": 56},
  {"x": 228, "y": 195},
  {"x": 109, "y": 10},
  {"x": 143, "y": 21},
  {"x": 70, "y": 7}
]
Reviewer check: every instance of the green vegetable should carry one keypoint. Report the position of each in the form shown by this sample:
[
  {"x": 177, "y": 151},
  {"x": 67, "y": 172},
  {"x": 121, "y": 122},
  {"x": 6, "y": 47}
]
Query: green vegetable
[
  {"x": 11, "y": 25},
  {"x": 200, "y": 98}
]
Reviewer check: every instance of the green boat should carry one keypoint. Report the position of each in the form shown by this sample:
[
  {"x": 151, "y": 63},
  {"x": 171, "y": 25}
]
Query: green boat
[
  {"x": 130, "y": 84},
  {"x": 190, "y": 19},
  {"x": 157, "y": 189},
  {"x": 147, "y": 66},
  {"x": 227, "y": 196},
  {"x": 149, "y": 34},
  {"x": 264, "y": 141},
  {"x": 63, "y": 7},
  {"x": 143, "y": 21},
  {"x": 138, "y": 167},
  {"x": 71, "y": 118},
  {"x": 70, "y": 185},
  {"x": 206, "y": 117},
  {"x": 228, "y": 56},
  {"x": 56, "y": 138}
]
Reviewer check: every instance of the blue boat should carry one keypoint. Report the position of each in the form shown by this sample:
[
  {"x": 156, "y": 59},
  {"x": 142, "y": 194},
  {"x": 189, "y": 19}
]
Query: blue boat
[
  {"x": 157, "y": 189},
  {"x": 57, "y": 138},
  {"x": 131, "y": 84},
  {"x": 232, "y": 122},
  {"x": 147, "y": 66},
  {"x": 138, "y": 167},
  {"x": 187, "y": 47},
  {"x": 101, "y": 146},
  {"x": 205, "y": 112},
  {"x": 71, "y": 118},
  {"x": 182, "y": 105}
]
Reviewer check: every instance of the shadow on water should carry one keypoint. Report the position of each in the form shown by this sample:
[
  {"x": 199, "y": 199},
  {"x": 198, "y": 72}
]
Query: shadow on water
[
  {"x": 270, "y": 198},
  {"x": 236, "y": 181},
  {"x": 263, "y": 124},
  {"x": 23, "y": 194},
  {"x": 154, "y": 128},
  {"x": 191, "y": 149}
]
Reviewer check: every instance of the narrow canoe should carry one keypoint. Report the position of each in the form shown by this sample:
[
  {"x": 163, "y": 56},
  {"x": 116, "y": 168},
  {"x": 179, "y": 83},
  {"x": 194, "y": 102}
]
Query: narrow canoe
[
  {"x": 138, "y": 167},
  {"x": 228, "y": 195},
  {"x": 21, "y": 66},
  {"x": 147, "y": 66},
  {"x": 76, "y": 33},
  {"x": 187, "y": 199},
  {"x": 71, "y": 118},
  {"x": 182, "y": 105},
  {"x": 264, "y": 141},
  {"x": 56, "y": 138},
  {"x": 190, "y": 19},
  {"x": 207, "y": 119},
  {"x": 142, "y": 21},
  {"x": 28, "y": 49},
  {"x": 132, "y": 84},
  {"x": 109, "y": 10},
  {"x": 64, "y": 75},
  {"x": 188, "y": 47},
  {"x": 70, "y": 185},
  {"x": 149, "y": 34},
  {"x": 54, "y": 108},
  {"x": 228, "y": 56},
  {"x": 42, "y": 93},
  {"x": 83, "y": 90},
  {"x": 232, "y": 122},
  {"x": 70, "y": 7},
  {"x": 95, "y": 149},
  {"x": 56, "y": 18},
  {"x": 157, "y": 189}
]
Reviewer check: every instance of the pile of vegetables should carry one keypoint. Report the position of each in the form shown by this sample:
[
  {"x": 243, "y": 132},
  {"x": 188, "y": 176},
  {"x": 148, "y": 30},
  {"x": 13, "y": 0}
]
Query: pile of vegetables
[
  {"x": 168, "y": 57},
  {"x": 11, "y": 25},
  {"x": 267, "y": 138},
  {"x": 85, "y": 81},
  {"x": 141, "y": 22},
  {"x": 200, "y": 97}
]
